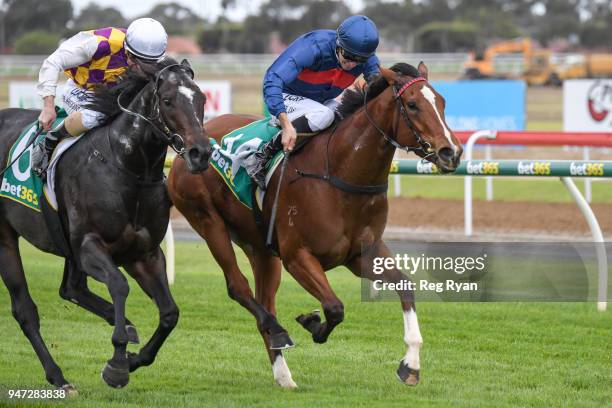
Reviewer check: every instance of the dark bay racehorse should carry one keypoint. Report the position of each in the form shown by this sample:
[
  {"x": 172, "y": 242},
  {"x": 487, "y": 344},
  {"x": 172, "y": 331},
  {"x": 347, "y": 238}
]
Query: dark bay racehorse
[
  {"x": 114, "y": 208},
  {"x": 321, "y": 224}
]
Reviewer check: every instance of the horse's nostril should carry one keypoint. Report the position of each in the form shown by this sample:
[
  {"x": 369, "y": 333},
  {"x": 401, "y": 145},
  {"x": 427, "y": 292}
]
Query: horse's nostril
[
  {"x": 197, "y": 158},
  {"x": 199, "y": 154},
  {"x": 446, "y": 154},
  {"x": 194, "y": 153}
]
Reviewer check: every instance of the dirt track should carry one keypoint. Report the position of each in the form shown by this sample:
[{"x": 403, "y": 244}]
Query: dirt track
[
  {"x": 546, "y": 218},
  {"x": 495, "y": 216}
]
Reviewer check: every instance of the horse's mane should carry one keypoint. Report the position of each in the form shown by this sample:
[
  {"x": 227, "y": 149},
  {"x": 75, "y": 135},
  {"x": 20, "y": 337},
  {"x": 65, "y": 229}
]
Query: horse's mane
[
  {"x": 352, "y": 99},
  {"x": 104, "y": 99}
]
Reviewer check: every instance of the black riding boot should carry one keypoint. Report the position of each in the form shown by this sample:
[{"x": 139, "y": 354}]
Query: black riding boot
[
  {"x": 41, "y": 154},
  {"x": 256, "y": 166},
  {"x": 301, "y": 125}
]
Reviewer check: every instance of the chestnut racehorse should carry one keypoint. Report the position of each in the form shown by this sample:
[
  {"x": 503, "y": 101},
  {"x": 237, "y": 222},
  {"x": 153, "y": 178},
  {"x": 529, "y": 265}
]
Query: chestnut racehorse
[{"x": 332, "y": 207}]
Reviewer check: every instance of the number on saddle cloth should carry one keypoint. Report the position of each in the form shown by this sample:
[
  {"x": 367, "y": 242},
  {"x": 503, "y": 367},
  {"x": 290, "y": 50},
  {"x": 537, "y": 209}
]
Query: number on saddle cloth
[
  {"x": 228, "y": 158},
  {"x": 19, "y": 182}
]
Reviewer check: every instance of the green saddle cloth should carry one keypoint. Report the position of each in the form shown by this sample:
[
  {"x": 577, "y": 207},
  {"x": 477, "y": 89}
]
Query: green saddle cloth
[
  {"x": 227, "y": 159},
  {"x": 19, "y": 182}
]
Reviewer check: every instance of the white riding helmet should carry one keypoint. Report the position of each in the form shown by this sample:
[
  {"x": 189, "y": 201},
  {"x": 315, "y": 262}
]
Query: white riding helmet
[{"x": 146, "y": 38}]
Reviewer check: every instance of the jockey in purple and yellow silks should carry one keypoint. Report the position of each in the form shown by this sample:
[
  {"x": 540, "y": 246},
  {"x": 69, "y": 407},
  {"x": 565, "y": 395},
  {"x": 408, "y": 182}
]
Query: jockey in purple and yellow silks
[
  {"x": 90, "y": 58},
  {"x": 300, "y": 86}
]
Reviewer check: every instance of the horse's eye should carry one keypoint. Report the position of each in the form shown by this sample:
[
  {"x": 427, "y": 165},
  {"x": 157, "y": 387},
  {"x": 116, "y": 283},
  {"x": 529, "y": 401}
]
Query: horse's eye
[
  {"x": 166, "y": 101},
  {"x": 411, "y": 105}
]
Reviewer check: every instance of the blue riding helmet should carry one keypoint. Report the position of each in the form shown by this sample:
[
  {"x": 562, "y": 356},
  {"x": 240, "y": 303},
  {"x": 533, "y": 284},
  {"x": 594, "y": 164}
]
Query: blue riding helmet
[{"x": 358, "y": 35}]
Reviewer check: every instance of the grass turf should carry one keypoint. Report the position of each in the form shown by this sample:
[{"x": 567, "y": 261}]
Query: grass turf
[{"x": 502, "y": 354}]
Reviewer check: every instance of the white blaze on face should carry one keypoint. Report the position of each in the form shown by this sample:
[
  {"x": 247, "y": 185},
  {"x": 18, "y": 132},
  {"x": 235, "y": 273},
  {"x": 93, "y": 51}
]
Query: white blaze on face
[
  {"x": 187, "y": 93},
  {"x": 431, "y": 97}
]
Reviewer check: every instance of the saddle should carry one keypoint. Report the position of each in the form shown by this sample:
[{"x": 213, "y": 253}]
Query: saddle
[
  {"x": 229, "y": 155},
  {"x": 258, "y": 195},
  {"x": 22, "y": 185}
]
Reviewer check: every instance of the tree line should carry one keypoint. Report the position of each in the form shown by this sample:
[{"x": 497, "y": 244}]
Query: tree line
[{"x": 36, "y": 27}]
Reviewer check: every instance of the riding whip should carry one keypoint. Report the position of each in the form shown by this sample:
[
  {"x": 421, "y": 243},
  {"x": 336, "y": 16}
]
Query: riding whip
[
  {"x": 38, "y": 132},
  {"x": 275, "y": 204}
]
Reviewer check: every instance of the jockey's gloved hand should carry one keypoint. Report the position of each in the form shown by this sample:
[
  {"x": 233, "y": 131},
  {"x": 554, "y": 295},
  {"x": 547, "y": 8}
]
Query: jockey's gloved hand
[
  {"x": 289, "y": 138},
  {"x": 47, "y": 115},
  {"x": 289, "y": 132}
]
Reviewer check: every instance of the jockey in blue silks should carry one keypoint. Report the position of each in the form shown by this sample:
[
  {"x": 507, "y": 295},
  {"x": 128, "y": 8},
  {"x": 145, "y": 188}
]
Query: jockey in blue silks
[{"x": 300, "y": 86}]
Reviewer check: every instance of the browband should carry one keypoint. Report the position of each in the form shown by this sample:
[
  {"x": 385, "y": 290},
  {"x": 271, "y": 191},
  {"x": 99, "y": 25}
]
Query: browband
[{"x": 407, "y": 85}]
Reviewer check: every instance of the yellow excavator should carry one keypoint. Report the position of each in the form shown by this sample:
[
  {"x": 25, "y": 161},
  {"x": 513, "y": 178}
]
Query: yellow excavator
[
  {"x": 480, "y": 65},
  {"x": 544, "y": 68},
  {"x": 541, "y": 66}
]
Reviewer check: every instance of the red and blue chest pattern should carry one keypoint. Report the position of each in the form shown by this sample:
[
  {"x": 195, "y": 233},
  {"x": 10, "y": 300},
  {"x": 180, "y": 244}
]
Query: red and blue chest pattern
[{"x": 335, "y": 77}]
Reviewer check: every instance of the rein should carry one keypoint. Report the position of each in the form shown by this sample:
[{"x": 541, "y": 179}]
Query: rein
[
  {"x": 424, "y": 149},
  {"x": 339, "y": 183},
  {"x": 30, "y": 143},
  {"x": 174, "y": 140},
  {"x": 138, "y": 179}
]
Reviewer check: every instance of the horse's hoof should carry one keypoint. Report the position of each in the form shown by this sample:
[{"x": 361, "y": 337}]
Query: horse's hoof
[
  {"x": 311, "y": 321},
  {"x": 407, "y": 375},
  {"x": 280, "y": 341},
  {"x": 115, "y": 377},
  {"x": 286, "y": 383},
  {"x": 69, "y": 391},
  {"x": 132, "y": 334},
  {"x": 133, "y": 361}
]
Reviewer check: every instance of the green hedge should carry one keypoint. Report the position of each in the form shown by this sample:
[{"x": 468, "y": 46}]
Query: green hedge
[{"x": 37, "y": 42}]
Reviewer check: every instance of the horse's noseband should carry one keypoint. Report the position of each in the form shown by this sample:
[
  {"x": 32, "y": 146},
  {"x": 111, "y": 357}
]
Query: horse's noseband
[
  {"x": 424, "y": 150},
  {"x": 174, "y": 140}
]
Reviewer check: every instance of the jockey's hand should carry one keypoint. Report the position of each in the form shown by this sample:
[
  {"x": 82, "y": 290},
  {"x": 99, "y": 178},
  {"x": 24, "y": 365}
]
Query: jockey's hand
[
  {"x": 48, "y": 115},
  {"x": 289, "y": 133},
  {"x": 289, "y": 138}
]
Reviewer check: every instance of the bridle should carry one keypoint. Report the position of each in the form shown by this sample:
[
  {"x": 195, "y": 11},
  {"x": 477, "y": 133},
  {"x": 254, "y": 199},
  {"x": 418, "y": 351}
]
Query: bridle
[
  {"x": 174, "y": 140},
  {"x": 424, "y": 148}
]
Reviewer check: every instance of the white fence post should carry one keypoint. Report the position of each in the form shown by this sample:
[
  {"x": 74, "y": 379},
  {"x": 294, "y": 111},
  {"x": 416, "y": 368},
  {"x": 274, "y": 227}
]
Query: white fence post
[
  {"x": 397, "y": 181},
  {"x": 467, "y": 205},
  {"x": 467, "y": 183},
  {"x": 397, "y": 185},
  {"x": 588, "y": 194},
  {"x": 602, "y": 259},
  {"x": 170, "y": 253},
  {"x": 488, "y": 179}
]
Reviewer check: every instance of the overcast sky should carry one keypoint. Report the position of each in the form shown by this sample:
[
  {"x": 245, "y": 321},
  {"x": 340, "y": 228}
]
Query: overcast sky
[{"x": 208, "y": 9}]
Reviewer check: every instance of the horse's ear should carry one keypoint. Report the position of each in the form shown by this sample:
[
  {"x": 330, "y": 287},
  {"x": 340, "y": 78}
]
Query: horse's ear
[
  {"x": 389, "y": 75},
  {"x": 185, "y": 64},
  {"x": 422, "y": 68}
]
